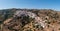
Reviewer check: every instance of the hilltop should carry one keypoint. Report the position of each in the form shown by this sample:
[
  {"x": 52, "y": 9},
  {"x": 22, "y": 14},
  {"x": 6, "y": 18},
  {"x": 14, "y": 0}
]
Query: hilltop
[{"x": 29, "y": 20}]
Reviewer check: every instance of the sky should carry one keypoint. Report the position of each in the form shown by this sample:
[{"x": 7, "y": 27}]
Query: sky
[{"x": 30, "y": 4}]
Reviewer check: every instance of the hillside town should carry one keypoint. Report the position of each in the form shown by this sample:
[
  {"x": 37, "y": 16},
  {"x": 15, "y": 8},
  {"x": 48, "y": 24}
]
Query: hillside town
[{"x": 30, "y": 20}]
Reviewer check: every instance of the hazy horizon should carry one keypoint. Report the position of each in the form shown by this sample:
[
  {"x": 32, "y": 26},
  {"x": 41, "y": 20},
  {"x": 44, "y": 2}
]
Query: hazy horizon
[{"x": 30, "y": 4}]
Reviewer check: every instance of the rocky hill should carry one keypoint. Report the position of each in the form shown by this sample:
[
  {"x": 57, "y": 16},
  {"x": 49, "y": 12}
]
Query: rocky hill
[{"x": 29, "y": 20}]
